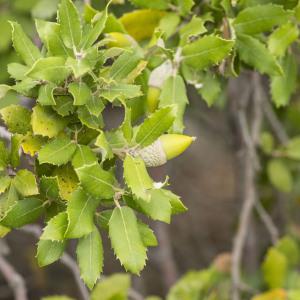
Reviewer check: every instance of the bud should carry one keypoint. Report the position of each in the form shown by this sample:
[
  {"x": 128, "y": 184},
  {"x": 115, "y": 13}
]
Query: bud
[
  {"x": 164, "y": 148},
  {"x": 119, "y": 39}
]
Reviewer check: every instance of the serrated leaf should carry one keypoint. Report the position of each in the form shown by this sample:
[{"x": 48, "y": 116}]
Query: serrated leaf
[
  {"x": 120, "y": 90},
  {"x": 70, "y": 25},
  {"x": 281, "y": 38},
  {"x": 255, "y": 54},
  {"x": 155, "y": 125},
  {"x": 56, "y": 228},
  {"x": 17, "y": 71},
  {"x": 104, "y": 146},
  {"x": 206, "y": 51},
  {"x": 50, "y": 69},
  {"x": 64, "y": 105},
  {"x": 23, "y": 45},
  {"x": 126, "y": 240},
  {"x": 57, "y": 152},
  {"x": 176, "y": 204},
  {"x": 49, "y": 33},
  {"x": 147, "y": 234},
  {"x": 67, "y": 181},
  {"x": 7, "y": 200},
  {"x": 88, "y": 119},
  {"x": 31, "y": 144},
  {"x": 260, "y": 18},
  {"x": 96, "y": 181},
  {"x": 184, "y": 6},
  {"x": 173, "y": 92},
  {"x": 45, "y": 96},
  {"x": 25, "y": 183},
  {"x": 90, "y": 257},
  {"x": 103, "y": 218},
  {"x": 49, "y": 187},
  {"x": 137, "y": 177},
  {"x": 81, "y": 209},
  {"x": 23, "y": 212},
  {"x": 211, "y": 89},
  {"x": 80, "y": 92},
  {"x": 274, "y": 268},
  {"x": 115, "y": 286},
  {"x": 46, "y": 122},
  {"x": 95, "y": 105},
  {"x": 192, "y": 29},
  {"x": 49, "y": 251},
  {"x": 16, "y": 118},
  {"x": 83, "y": 156},
  {"x": 282, "y": 87}
]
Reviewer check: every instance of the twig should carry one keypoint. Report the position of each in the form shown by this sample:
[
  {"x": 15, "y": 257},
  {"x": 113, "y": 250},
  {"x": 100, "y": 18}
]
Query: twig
[
  {"x": 275, "y": 124},
  {"x": 13, "y": 278},
  {"x": 273, "y": 231},
  {"x": 249, "y": 189},
  {"x": 66, "y": 260}
]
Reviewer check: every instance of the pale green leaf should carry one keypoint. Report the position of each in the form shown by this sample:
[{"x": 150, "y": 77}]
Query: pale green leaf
[
  {"x": 126, "y": 240},
  {"x": 206, "y": 51},
  {"x": 4, "y": 89},
  {"x": 90, "y": 257},
  {"x": 23, "y": 45},
  {"x": 292, "y": 149},
  {"x": 120, "y": 90},
  {"x": 176, "y": 204},
  {"x": 155, "y": 125},
  {"x": 15, "y": 155},
  {"x": 25, "y": 183},
  {"x": 102, "y": 143},
  {"x": 57, "y": 152},
  {"x": 80, "y": 92},
  {"x": 289, "y": 247},
  {"x": 88, "y": 119},
  {"x": 64, "y": 105},
  {"x": 81, "y": 209},
  {"x": 147, "y": 234},
  {"x": 49, "y": 251},
  {"x": 83, "y": 156},
  {"x": 56, "y": 228},
  {"x": 211, "y": 89},
  {"x": 4, "y": 155},
  {"x": 7, "y": 200},
  {"x": 4, "y": 183},
  {"x": 96, "y": 181},
  {"x": 46, "y": 94},
  {"x": 49, "y": 187},
  {"x": 16, "y": 71}
]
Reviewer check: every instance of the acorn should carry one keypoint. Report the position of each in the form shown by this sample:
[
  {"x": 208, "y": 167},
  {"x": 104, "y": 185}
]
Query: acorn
[
  {"x": 119, "y": 39},
  {"x": 155, "y": 83},
  {"x": 164, "y": 148}
]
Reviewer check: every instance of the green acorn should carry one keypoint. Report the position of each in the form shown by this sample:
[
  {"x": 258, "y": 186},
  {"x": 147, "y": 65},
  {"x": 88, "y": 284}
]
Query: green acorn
[{"x": 164, "y": 148}]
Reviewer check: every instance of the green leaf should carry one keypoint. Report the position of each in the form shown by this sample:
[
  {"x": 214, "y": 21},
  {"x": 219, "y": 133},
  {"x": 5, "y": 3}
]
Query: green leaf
[
  {"x": 49, "y": 187},
  {"x": 211, "y": 89},
  {"x": 126, "y": 126},
  {"x": 289, "y": 247},
  {"x": 90, "y": 257},
  {"x": 99, "y": 21},
  {"x": 176, "y": 204},
  {"x": 7, "y": 200},
  {"x": 120, "y": 90},
  {"x": 70, "y": 25},
  {"x": 17, "y": 71},
  {"x": 104, "y": 146},
  {"x": 46, "y": 122},
  {"x": 282, "y": 87},
  {"x": 16, "y": 118},
  {"x": 184, "y": 6},
  {"x": 57, "y": 152},
  {"x": 95, "y": 105},
  {"x": 206, "y": 51},
  {"x": 115, "y": 286},
  {"x": 155, "y": 4},
  {"x": 292, "y": 149},
  {"x": 49, "y": 251},
  {"x": 4, "y": 183},
  {"x": 255, "y": 54},
  {"x": 15, "y": 154},
  {"x": 83, "y": 156},
  {"x": 81, "y": 209},
  {"x": 126, "y": 240},
  {"x": 46, "y": 94},
  {"x": 155, "y": 125},
  {"x": 260, "y": 18},
  {"x": 147, "y": 235},
  {"x": 23, "y": 45},
  {"x": 169, "y": 23},
  {"x": 49, "y": 33},
  {"x": 57, "y": 297},
  {"x": 88, "y": 119},
  {"x": 137, "y": 177},
  {"x": 4, "y": 155},
  {"x": 45, "y": 9},
  {"x": 56, "y": 228},
  {"x": 96, "y": 181},
  {"x": 274, "y": 268},
  {"x": 23, "y": 212},
  {"x": 192, "y": 29},
  {"x": 51, "y": 69},
  {"x": 25, "y": 183},
  {"x": 281, "y": 38},
  {"x": 4, "y": 89},
  {"x": 80, "y": 92},
  {"x": 173, "y": 92},
  {"x": 103, "y": 218},
  {"x": 64, "y": 105}
]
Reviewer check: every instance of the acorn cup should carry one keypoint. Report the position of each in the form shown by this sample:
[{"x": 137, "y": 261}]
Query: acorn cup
[
  {"x": 119, "y": 39},
  {"x": 164, "y": 148}
]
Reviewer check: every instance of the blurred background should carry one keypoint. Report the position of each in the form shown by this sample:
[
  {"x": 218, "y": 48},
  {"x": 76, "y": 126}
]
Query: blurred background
[{"x": 207, "y": 177}]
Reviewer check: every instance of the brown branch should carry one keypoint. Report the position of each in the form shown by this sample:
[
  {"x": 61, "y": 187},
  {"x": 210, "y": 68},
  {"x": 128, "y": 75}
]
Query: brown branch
[
  {"x": 250, "y": 166},
  {"x": 13, "y": 278}
]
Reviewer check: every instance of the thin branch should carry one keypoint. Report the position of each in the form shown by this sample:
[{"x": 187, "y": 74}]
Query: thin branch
[
  {"x": 265, "y": 217},
  {"x": 13, "y": 278},
  {"x": 66, "y": 260},
  {"x": 275, "y": 124},
  {"x": 250, "y": 166}
]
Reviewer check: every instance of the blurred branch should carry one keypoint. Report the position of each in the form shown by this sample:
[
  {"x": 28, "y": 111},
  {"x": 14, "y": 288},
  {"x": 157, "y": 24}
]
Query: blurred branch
[
  {"x": 13, "y": 278},
  {"x": 275, "y": 124},
  {"x": 250, "y": 137},
  {"x": 66, "y": 260}
]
